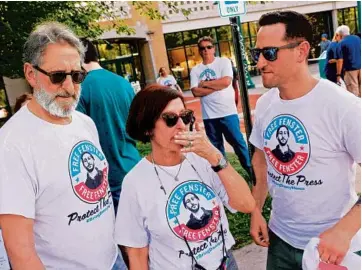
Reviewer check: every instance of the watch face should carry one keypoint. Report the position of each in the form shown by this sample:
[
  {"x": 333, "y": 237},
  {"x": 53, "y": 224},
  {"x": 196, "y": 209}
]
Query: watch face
[{"x": 223, "y": 162}]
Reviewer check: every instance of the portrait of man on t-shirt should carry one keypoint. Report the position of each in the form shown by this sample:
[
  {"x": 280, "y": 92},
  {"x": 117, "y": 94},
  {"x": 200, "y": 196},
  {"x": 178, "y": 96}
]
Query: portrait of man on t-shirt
[
  {"x": 282, "y": 151},
  {"x": 199, "y": 216},
  {"x": 94, "y": 175}
]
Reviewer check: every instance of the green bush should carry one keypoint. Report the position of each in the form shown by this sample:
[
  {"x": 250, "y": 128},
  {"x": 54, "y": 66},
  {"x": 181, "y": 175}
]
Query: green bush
[{"x": 238, "y": 223}]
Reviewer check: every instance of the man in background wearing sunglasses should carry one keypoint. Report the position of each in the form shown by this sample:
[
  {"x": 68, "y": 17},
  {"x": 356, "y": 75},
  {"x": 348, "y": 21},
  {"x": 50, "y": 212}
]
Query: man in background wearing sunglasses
[
  {"x": 212, "y": 81},
  {"x": 49, "y": 218},
  {"x": 314, "y": 191}
]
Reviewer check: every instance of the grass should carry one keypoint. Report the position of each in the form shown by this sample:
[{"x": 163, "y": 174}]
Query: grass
[{"x": 238, "y": 223}]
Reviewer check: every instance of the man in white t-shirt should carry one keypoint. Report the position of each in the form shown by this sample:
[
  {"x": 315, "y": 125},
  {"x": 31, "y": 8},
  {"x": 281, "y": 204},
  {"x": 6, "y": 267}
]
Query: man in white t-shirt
[
  {"x": 312, "y": 180},
  {"x": 49, "y": 217},
  {"x": 211, "y": 80},
  {"x": 166, "y": 79}
]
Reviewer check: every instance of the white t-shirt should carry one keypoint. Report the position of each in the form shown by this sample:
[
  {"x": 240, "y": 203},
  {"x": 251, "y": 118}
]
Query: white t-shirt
[
  {"x": 169, "y": 81},
  {"x": 43, "y": 177},
  {"x": 311, "y": 171},
  {"x": 149, "y": 217},
  {"x": 219, "y": 103}
]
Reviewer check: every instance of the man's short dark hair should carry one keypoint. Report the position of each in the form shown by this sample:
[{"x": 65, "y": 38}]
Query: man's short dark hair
[
  {"x": 146, "y": 109},
  {"x": 91, "y": 54},
  {"x": 81, "y": 157},
  {"x": 296, "y": 25},
  {"x": 282, "y": 126},
  {"x": 188, "y": 193}
]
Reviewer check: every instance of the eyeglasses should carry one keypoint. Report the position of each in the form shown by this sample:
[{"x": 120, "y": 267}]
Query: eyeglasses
[
  {"x": 171, "y": 118},
  {"x": 58, "y": 77},
  {"x": 271, "y": 53},
  {"x": 209, "y": 47}
]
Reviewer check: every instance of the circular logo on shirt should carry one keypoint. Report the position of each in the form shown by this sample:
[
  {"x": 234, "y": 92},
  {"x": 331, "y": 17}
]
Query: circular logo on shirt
[
  {"x": 286, "y": 144},
  {"x": 167, "y": 83},
  {"x": 193, "y": 211},
  {"x": 208, "y": 75},
  {"x": 88, "y": 170}
]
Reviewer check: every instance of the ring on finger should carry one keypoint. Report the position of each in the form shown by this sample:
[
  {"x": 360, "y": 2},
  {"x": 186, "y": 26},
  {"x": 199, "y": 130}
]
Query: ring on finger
[{"x": 190, "y": 144}]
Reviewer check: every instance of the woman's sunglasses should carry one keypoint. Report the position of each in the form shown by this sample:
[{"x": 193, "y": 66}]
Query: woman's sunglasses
[
  {"x": 58, "y": 77},
  {"x": 271, "y": 53},
  {"x": 171, "y": 118}
]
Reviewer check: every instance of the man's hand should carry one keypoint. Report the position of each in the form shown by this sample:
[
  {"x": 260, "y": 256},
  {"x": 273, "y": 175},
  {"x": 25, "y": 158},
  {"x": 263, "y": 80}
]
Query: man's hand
[
  {"x": 259, "y": 229},
  {"x": 333, "y": 245}
]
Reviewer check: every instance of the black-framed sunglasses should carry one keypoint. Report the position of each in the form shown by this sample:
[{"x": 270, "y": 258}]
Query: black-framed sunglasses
[
  {"x": 271, "y": 53},
  {"x": 209, "y": 47},
  {"x": 171, "y": 118},
  {"x": 58, "y": 77}
]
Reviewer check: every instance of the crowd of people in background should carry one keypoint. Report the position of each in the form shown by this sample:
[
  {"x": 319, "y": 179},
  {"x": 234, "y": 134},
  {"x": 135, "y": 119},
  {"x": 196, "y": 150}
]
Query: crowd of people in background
[
  {"x": 69, "y": 157},
  {"x": 343, "y": 59}
]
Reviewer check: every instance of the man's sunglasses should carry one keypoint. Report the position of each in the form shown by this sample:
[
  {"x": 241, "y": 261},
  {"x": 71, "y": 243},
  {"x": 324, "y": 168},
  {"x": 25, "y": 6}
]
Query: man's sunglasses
[
  {"x": 171, "y": 118},
  {"x": 58, "y": 77},
  {"x": 271, "y": 53},
  {"x": 209, "y": 47}
]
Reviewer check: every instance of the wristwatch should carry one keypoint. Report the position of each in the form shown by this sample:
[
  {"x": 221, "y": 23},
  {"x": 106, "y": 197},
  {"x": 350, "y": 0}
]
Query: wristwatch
[{"x": 222, "y": 164}]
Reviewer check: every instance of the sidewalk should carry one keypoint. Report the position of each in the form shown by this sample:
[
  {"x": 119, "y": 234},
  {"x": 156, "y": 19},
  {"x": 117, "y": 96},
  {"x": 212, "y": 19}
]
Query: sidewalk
[{"x": 252, "y": 257}]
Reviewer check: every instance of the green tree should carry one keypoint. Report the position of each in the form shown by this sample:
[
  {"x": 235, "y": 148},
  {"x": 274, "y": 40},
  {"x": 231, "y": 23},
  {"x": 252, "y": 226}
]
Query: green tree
[{"x": 17, "y": 19}]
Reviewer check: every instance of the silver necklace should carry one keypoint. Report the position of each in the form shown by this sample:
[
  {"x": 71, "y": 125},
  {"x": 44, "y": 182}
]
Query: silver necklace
[{"x": 175, "y": 177}]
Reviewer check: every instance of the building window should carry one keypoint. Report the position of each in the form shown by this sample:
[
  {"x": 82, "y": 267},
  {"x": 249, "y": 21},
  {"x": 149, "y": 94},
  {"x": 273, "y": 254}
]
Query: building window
[
  {"x": 195, "y": 9},
  {"x": 207, "y": 7},
  {"x": 348, "y": 16},
  {"x": 170, "y": 11},
  {"x": 201, "y": 8}
]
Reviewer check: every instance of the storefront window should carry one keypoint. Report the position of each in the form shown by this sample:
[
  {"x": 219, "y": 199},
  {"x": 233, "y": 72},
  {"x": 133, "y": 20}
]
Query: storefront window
[
  {"x": 108, "y": 51},
  {"x": 348, "y": 16},
  {"x": 208, "y": 32},
  {"x": 224, "y": 32},
  {"x": 191, "y": 37},
  {"x": 173, "y": 40}
]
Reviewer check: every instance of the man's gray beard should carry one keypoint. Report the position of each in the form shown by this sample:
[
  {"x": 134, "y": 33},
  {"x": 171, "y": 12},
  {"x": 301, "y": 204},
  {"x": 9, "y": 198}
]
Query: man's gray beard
[{"x": 48, "y": 102}]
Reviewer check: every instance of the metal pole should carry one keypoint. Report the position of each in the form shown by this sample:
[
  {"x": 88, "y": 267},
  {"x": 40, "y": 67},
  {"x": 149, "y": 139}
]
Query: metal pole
[{"x": 239, "y": 51}]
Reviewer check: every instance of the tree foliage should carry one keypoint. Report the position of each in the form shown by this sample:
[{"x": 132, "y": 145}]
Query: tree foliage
[{"x": 18, "y": 19}]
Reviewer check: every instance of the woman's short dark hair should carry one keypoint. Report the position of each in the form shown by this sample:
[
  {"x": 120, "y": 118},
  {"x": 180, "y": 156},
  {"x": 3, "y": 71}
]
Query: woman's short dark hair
[
  {"x": 146, "y": 108},
  {"x": 296, "y": 25}
]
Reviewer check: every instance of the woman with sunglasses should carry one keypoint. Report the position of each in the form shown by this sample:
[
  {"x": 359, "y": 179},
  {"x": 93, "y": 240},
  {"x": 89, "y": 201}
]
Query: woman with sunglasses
[{"x": 171, "y": 206}]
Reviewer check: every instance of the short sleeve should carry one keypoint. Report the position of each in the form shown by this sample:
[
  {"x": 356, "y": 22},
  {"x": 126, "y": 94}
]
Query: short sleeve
[
  {"x": 227, "y": 69},
  {"x": 174, "y": 82},
  {"x": 130, "y": 228},
  {"x": 194, "y": 81},
  {"x": 338, "y": 53},
  {"x": 17, "y": 188},
  {"x": 352, "y": 130},
  {"x": 256, "y": 136}
]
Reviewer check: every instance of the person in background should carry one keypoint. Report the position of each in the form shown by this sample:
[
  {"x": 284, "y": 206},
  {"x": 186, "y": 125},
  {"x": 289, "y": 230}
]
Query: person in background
[
  {"x": 313, "y": 192},
  {"x": 48, "y": 217},
  {"x": 22, "y": 100},
  {"x": 324, "y": 43},
  {"x": 333, "y": 55},
  {"x": 156, "y": 199},
  {"x": 211, "y": 80},
  {"x": 106, "y": 98},
  {"x": 166, "y": 79},
  {"x": 350, "y": 62}
]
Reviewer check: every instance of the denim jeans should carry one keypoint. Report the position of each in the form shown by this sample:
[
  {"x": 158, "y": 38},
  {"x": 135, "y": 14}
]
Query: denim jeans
[
  {"x": 229, "y": 126},
  {"x": 231, "y": 264},
  {"x": 119, "y": 264}
]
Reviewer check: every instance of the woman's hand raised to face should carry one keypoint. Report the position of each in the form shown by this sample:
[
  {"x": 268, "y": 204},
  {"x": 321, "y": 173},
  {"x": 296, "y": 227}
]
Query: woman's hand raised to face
[{"x": 197, "y": 142}]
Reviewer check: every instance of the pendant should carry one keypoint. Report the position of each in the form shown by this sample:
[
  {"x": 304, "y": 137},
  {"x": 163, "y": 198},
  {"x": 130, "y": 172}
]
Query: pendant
[{"x": 176, "y": 179}]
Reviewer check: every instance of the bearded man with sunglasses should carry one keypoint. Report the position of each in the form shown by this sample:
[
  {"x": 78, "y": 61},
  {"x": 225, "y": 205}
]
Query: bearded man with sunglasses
[
  {"x": 211, "y": 80},
  {"x": 313, "y": 191},
  {"x": 49, "y": 217}
]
